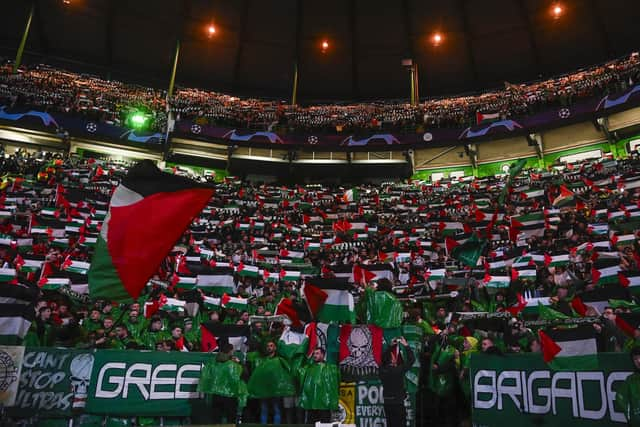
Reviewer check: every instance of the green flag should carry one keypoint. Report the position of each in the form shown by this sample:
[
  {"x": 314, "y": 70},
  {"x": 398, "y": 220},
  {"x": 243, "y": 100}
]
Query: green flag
[
  {"x": 547, "y": 313},
  {"x": 383, "y": 309},
  {"x": 469, "y": 252},
  {"x": 514, "y": 171}
]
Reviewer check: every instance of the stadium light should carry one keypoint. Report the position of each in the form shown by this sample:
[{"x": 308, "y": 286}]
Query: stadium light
[
  {"x": 436, "y": 39},
  {"x": 66, "y": 2},
  {"x": 137, "y": 120},
  {"x": 324, "y": 46},
  {"x": 211, "y": 30},
  {"x": 557, "y": 10}
]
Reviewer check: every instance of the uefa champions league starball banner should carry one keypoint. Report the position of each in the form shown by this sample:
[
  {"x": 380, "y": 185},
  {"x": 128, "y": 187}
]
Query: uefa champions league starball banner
[{"x": 521, "y": 391}]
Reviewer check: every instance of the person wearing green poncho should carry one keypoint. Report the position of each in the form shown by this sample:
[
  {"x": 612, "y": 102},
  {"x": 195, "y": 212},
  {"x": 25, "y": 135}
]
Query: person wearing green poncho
[
  {"x": 222, "y": 378},
  {"x": 469, "y": 346},
  {"x": 442, "y": 380},
  {"x": 628, "y": 395},
  {"x": 383, "y": 308},
  {"x": 270, "y": 381},
  {"x": 320, "y": 386}
]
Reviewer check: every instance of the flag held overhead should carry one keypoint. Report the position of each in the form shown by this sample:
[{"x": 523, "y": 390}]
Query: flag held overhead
[{"x": 149, "y": 211}]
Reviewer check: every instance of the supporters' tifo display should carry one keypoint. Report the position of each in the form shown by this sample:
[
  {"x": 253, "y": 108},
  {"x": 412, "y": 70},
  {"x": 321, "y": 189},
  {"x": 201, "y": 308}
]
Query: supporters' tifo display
[
  {"x": 346, "y": 302},
  {"x": 44, "y": 87}
]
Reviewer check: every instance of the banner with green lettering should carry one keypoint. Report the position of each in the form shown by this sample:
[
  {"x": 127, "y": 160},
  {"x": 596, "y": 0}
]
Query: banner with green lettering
[
  {"x": 145, "y": 383},
  {"x": 362, "y": 404},
  {"x": 527, "y": 392},
  {"x": 53, "y": 382}
]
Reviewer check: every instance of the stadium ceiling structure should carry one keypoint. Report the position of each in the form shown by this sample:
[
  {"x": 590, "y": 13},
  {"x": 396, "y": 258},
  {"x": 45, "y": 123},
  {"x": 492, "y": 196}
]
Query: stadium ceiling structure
[{"x": 257, "y": 43}]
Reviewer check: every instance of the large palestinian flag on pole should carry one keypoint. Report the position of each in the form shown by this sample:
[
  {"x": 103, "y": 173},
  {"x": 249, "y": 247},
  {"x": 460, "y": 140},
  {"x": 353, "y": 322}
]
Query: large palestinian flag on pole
[{"x": 148, "y": 213}]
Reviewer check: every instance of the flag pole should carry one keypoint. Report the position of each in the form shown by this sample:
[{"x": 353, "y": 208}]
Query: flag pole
[
  {"x": 23, "y": 41},
  {"x": 294, "y": 95},
  {"x": 174, "y": 69}
]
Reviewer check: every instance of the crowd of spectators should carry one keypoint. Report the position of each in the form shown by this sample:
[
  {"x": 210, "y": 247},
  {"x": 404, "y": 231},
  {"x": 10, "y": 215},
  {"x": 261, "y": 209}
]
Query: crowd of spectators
[
  {"x": 553, "y": 255},
  {"x": 111, "y": 101}
]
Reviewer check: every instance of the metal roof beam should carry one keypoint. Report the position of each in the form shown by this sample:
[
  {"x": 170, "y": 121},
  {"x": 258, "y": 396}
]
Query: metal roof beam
[
  {"x": 109, "y": 33},
  {"x": 406, "y": 17},
  {"x": 44, "y": 41},
  {"x": 598, "y": 22},
  {"x": 466, "y": 31},
  {"x": 355, "y": 90},
  {"x": 535, "y": 52},
  {"x": 242, "y": 40}
]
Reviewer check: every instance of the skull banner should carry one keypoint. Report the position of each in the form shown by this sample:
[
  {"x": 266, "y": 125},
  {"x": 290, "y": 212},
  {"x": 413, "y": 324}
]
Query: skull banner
[
  {"x": 360, "y": 351},
  {"x": 53, "y": 382}
]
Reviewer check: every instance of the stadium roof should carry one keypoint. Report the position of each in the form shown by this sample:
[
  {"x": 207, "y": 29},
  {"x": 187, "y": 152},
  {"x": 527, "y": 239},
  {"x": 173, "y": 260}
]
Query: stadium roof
[{"x": 485, "y": 42}]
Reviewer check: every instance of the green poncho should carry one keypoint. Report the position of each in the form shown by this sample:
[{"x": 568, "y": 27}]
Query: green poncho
[
  {"x": 223, "y": 379},
  {"x": 442, "y": 382},
  {"x": 383, "y": 309},
  {"x": 271, "y": 378},
  {"x": 320, "y": 386},
  {"x": 628, "y": 399}
]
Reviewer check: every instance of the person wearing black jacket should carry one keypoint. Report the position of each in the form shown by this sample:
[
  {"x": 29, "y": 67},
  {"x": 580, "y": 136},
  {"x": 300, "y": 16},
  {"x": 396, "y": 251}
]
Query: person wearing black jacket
[{"x": 392, "y": 372}]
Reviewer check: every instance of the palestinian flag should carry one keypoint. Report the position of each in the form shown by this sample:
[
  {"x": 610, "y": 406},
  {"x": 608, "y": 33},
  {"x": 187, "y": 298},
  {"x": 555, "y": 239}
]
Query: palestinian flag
[
  {"x": 214, "y": 334},
  {"x": 342, "y": 272},
  {"x": 631, "y": 281},
  {"x": 173, "y": 304},
  {"x": 533, "y": 304},
  {"x": 624, "y": 240},
  {"x": 290, "y": 275},
  {"x": 245, "y": 270},
  {"x": 218, "y": 281},
  {"x": 296, "y": 313},
  {"x": 498, "y": 282},
  {"x": 435, "y": 274},
  {"x": 237, "y": 303},
  {"x": 521, "y": 221},
  {"x": 77, "y": 267},
  {"x": 605, "y": 276},
  {"x": 362, "y": 276},
  {"x": 53, "y": 283},
  {"x": 29, "y": 265},
  {"x": 7, "y": 274},
  {"x": 566, "y": 198},
  {"x": 184, "y": 282},
  {"x": 339, "y": 305},
  {"x": 570, "y": 348},
  {"x": 486, "y": 117},
  {"x": 531, "y": 194},
  {"x": 149, "y": 211},
  {"x": 16, "y": 312},
  {"x": 556, "y": 260},
  {"x": 212, "y": 303}
]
